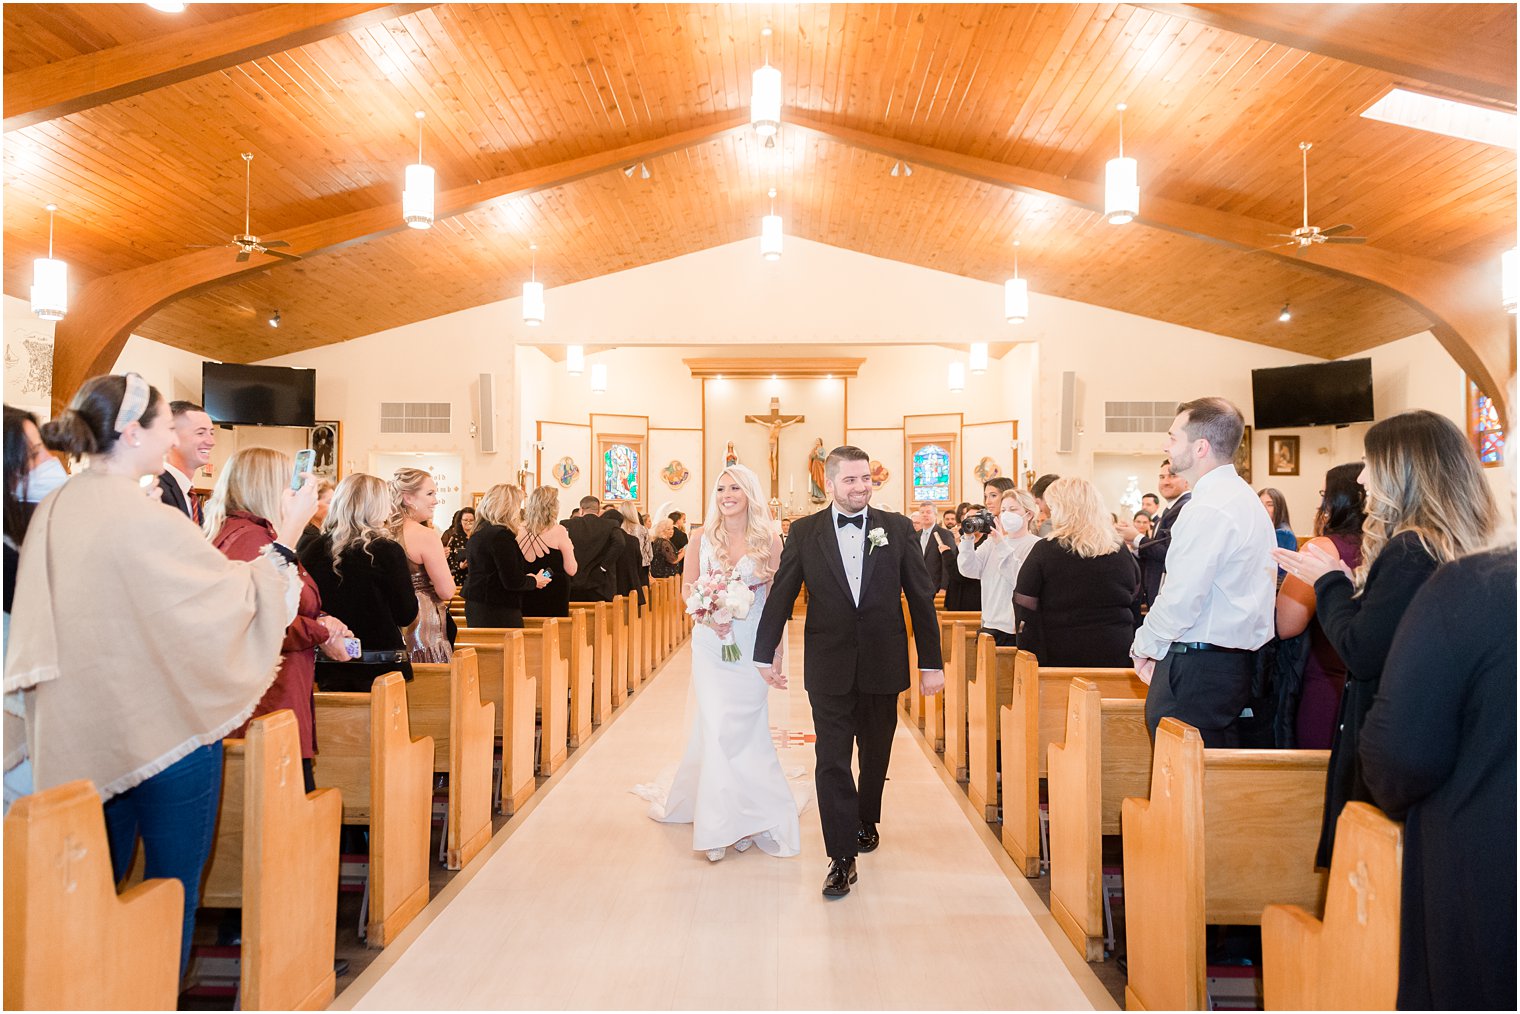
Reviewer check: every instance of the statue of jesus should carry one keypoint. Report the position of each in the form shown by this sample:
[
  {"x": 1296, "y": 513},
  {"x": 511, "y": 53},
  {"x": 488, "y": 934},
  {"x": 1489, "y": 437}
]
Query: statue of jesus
[{"x": 774, "y": 423}]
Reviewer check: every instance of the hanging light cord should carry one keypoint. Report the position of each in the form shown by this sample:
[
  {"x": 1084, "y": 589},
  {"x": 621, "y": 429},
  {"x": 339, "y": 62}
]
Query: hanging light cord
[
  {"x": 1015, "y": 260},
  {"x": 420, "y": 115},
  {"x": 1121, "y": 129},
  {"x": 50, "y": 209}
]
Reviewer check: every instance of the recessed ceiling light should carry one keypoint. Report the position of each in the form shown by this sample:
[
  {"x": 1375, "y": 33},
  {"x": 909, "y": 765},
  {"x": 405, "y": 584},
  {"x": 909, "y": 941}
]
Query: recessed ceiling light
[
  {"x": 167, "y": 6},
  {"x": 1445, "y": 116}
]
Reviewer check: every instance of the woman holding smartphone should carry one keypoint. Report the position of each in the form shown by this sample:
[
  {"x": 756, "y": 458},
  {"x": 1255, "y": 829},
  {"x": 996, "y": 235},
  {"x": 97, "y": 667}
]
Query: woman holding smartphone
[{"x": 498, "y": 572}]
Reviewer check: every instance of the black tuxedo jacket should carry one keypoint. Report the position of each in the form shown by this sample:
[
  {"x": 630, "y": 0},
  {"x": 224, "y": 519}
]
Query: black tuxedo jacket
[
  {"x": 1152, "y": 550},
  {"x": 937, "y": 563},
  {"x": 848, "y": 647},
  {"x": 598, "y": 547},
  {"x": 170, "y": 493}
]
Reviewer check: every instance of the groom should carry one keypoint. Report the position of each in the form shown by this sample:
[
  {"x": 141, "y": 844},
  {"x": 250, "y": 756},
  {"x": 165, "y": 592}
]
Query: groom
[{"x": 857, "y": 565}]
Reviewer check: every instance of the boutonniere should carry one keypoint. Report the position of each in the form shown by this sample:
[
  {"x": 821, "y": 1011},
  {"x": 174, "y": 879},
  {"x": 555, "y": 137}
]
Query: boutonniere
[{"x": 877, "y": 538}]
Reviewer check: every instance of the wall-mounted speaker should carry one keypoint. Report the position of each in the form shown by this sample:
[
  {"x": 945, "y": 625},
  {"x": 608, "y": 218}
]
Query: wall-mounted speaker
[
  {"x": 1066, "y": 437},
  {"x": 487, "y": 413}
]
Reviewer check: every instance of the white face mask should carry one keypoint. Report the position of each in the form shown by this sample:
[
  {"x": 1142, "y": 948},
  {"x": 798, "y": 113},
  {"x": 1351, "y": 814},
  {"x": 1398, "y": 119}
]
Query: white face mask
[
  {"x": 43, "y": 479},
  {"x": 1013, "y": 522}
]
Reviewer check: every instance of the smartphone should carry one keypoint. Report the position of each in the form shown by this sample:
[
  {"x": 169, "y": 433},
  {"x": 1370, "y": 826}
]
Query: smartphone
[
  {"x": 352, "y": 647},
  {"x": 305, "y": 459},
  {"x": 546, "y": 574}
]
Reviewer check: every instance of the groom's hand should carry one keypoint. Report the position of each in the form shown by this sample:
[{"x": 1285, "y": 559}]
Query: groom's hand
[
  {"x": 771, "y": 676},
  {"x": 931, "y": 681}
]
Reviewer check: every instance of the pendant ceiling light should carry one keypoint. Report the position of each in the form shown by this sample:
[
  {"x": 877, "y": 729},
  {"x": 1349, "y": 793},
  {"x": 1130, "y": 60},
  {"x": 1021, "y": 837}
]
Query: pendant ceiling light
[
  {"x": 1511, "y": 266},
  {"x": 1016, "y": 293},
  {"x": 770, "y": 232},
  {"x": 417, "y": 198},
  {"x": 978, "y": 357},
  {"x": 765, "y": 95},
  {"x": 957, "y": 377},
  {"x": 1121, "y": 183},
  {"x": 533, "y": 295},
  {"x": 50, "y": 280},
  {"x": 598, "y": 378},
  {"x": 575, "y": 360}
]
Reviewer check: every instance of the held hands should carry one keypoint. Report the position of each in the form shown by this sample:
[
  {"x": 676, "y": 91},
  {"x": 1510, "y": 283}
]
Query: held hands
[
  {"x": 1310, "y": 565},
  {"x": 931, "y": 681},
  {"x": 1145, "y": 668}
]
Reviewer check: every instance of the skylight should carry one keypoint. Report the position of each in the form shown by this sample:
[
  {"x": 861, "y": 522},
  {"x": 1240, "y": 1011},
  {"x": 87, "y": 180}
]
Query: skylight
[{"x": 1445, "y": 116}]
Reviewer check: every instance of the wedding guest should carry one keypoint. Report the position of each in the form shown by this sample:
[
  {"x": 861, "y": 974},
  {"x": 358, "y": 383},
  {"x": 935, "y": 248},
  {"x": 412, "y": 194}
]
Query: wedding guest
[
  {"x": 1153, "y": 548},
  {"x": 413, "y": 497},
  {"x": 194, "y": 437},
  {"x": 545, "y": 545},
  {"x": 679, "y": 536},
  {"x": 667, "y": 559},
  {"x": 313, "y": 530},
  {"x": 1044, "y": 528},
  {"x": 1075, "y": 590},
  {"x": 631, "y": 567},
  {"x": 1338, "y": 528},
  {"x": 1427, "y": 504},
  {"x": 24, "y": 451},
  {"x": 996, "y": 562},
  {"x": 136, "y": 655},
  {"x": 1277, "y": 509},
  {"x": 454, "y": 540},
  {"x": 493, "y": 594},
  {"x": 364, "y": 580},
  {"x": 239, "y": 520},
  {"x": 598, "y": 548},
  {"x": 935, "y": 544},
  {"x": 947, "y": 520},
  {"x": 1150, "y": 503},
  {"x": 962, "y": 593}
]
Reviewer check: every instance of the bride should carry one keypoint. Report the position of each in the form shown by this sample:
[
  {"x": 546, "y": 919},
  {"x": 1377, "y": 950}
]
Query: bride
[{"x": 730, "y": 786}]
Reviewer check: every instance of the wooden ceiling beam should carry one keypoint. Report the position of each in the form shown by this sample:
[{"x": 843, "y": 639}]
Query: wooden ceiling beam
[
  {"x": 89, "y": 340},
  {"x": 1460, "y": 302},
  {"x": 1384, "y": 37},
  {"x": 67, "y": 86}
]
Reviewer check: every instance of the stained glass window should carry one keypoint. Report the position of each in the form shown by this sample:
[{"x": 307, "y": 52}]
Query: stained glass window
[
  {"x": 931, "y": 473},
  {"x": 620, "y": 473},
  {"x": 1483, "y": 427}
]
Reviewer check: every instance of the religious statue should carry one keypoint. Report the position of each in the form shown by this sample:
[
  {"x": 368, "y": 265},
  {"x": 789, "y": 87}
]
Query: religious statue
[
  {"x": 729, "y": 456},
  {"x": 774, "y": 423},
  {"x": 816, "y": 458}
]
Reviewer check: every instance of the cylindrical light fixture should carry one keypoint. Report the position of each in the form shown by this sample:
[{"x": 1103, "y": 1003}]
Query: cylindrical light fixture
[
  {"x": 1121, "y": 183},
  {"x": 1511, "y": 284},
  {"x": 770, "y": 232},
  {"x": 50, "y": 280},
  {"x": 957, "y": 377},
  {"x": 765, "y": 95},
  {"x": 533, "y": 295},
  {"x": 1016, "y": 293},
  {"x": 575, "y": 360},
  {"x": 417, "y": 198},
  {"x": 598, "y": 378},
  {"x": 978, "y": 357}
]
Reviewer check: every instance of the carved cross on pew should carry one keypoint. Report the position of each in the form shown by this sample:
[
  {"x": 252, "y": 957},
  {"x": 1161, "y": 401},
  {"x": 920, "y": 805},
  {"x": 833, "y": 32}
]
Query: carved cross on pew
[
  {"x": 73, "y": 853},
  {"x": 1361, "y": 883},
  {"x": 284, "y": 765},
  {"x": 775, "y": 422}
]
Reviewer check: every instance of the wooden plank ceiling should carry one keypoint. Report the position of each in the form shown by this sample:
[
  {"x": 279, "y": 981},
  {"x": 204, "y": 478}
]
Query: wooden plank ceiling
[{"x": 1214, "y": 118}]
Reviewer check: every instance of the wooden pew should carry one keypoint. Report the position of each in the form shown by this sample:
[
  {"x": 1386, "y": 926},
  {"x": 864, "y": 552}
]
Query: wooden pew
[
  {"x": 993, "y": 685},
  {"x": 599, "y": 634},
  {"x": 444, "y": 703},
  {"x": 1224, "y": 834},
  {"x": 1350, "y": 961},
  {"x": 962, "y": 626},
  {"x": 1104, "y": 758},
  {"x": 1034, "y": 718},
  {"x": 577, "y": 650},
  {"x": 504, "y": 681},
  {"x": 386, "y": 778},
  {"x": 622, "y": 652},
  {"x": 927, "y": 710},
  {"x": 547, "y": 663},
  {"x": 72, "y": 943}
]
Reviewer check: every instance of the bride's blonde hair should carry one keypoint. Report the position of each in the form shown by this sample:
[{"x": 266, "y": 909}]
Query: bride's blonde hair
[{"x": 757, "y": 533}]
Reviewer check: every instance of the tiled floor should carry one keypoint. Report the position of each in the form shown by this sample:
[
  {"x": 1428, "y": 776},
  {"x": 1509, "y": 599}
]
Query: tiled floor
[{"x": 586, "y": 903}]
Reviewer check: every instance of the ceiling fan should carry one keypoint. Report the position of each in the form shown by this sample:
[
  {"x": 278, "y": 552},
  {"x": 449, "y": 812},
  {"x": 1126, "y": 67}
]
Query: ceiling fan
[
  {"x": 1310, "y": 235},
  {"x": 245, "y": 242}
]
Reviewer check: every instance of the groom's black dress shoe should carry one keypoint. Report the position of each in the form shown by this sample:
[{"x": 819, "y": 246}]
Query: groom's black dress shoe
[
  {"x": 867, "y": 837},
  {"x": 841, "y": 875}
]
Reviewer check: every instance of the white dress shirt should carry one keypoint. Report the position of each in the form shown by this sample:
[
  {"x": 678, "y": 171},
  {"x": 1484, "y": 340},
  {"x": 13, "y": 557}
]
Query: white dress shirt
[
  {"x": 996, "y": 564},
  {"x": 852, "y": 541},
  {"x": 1220, "y": 585}
]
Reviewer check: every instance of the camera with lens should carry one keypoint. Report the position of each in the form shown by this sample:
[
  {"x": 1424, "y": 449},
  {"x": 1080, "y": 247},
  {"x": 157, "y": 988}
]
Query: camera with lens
[{"x": 976, "y": 522}]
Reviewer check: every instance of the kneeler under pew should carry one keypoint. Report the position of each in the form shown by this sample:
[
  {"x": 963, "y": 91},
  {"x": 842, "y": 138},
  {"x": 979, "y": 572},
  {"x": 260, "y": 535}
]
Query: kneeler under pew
[{"x": 444, "y": 703}]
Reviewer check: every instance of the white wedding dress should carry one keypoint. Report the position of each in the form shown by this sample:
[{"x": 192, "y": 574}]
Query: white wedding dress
[{"x": 730, "y": 784}]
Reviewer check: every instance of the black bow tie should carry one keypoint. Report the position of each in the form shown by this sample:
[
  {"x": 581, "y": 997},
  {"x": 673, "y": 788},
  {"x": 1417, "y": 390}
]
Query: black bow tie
[{"x": 859, "y": 521}]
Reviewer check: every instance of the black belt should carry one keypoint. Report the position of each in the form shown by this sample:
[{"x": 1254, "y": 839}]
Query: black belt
[
  {"x": 392, "y": 657},
  {"x": 1183, "y": 647}
]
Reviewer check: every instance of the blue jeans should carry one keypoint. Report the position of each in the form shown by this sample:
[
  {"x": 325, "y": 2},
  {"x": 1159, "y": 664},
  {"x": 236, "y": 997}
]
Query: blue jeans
[{"x": 175, "y": 812}]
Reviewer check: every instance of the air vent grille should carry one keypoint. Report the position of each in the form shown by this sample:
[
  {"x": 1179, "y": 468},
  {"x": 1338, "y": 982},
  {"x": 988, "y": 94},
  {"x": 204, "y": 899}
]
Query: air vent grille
[
  {"x": 414, "y": 416},
  {"x": 1138, "y": 416}
]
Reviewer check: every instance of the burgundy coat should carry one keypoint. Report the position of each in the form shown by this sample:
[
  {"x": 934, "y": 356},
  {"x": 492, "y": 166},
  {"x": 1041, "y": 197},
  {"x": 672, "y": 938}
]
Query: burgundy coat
[{"x": 241, "y": 538}]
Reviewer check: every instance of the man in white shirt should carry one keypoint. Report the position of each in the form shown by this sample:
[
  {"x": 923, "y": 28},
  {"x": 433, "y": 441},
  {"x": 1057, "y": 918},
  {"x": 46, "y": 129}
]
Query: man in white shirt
[
  {"x": 1197, "y": 648},
  {"x": 194, "y": 437}
]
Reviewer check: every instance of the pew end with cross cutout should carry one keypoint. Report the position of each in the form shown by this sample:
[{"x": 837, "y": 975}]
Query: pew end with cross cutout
[{"x": 444, "y": 703}]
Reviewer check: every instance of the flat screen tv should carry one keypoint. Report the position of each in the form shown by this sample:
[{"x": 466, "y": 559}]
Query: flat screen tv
[
  {"x": 235, "y": 394},
  {"x": 1315, "y": 394}
]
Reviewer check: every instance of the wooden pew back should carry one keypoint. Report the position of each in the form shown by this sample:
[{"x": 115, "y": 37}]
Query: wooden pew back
[
  {"x": 427, "y": 704},
  {"x": 1350, "y": 961},
  {"x": 958, "y": 627},
  {"x": 71, "y": 943},
  {"x": 599, "y": 635},
  {"x": 995, "y": 671},
  {"x": 1223, "y": 834},
  {"x": 504, "y": 682},
  {"x": 546, "y": 661},
  {"x": 576, "y": 650},
  {"x": 444, "y": 703}
]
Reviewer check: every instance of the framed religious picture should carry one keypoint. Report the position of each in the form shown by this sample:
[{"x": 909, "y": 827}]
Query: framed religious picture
[
  {"x": 326, "y": 440},
  {"x": 1282, "y": 455},
  {"x": 1243, "y": 456},
  {"x": 620, "y": 469}
]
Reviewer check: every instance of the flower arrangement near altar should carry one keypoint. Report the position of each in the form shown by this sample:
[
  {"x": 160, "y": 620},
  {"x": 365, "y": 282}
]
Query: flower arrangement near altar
[{"x": 718, "y": 599}]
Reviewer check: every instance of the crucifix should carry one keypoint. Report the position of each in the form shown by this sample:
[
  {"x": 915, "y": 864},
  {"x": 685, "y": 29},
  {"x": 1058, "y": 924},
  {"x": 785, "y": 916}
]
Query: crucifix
[{"x": 775, "y": 422}]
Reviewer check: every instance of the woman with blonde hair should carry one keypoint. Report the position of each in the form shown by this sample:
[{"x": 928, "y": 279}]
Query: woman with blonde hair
[
  {"x": 637, "y": 552},
  {"x": 413, "y": 497},
  {"x": 364, "y": 580},
  {"x": 499, "y": 575},
  {"x": 730, "y": 786},
  {"x": 1076, "y": 592},
  {"x": 667, "y": 559},
  {"x": 238, "y": 518},
  {"x": 545, "y": 545},
  {"x": 1427, "y": 504}
]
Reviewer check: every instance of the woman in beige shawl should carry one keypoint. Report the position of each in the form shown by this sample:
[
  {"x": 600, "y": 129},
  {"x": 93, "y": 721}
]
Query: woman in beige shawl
[{"x": 137, "y": 644}]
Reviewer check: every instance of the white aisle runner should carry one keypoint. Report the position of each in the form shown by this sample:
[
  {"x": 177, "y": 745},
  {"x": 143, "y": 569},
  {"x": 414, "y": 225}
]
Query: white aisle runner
[{"x": 584, "y": 902}]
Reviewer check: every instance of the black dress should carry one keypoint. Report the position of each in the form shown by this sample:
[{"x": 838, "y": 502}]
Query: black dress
[
  {"x": 497, "y": 578},
  {"x": 553, "y": 599},
  {"x": 1361, "y": 631},
  {"x": 664, "y": 563},
  {"x": 1076, "y": 611},
  {"x": 962, "y": 593},
  {"x": 1438, "y": 751},
  {"x": 371, "y": 592}
]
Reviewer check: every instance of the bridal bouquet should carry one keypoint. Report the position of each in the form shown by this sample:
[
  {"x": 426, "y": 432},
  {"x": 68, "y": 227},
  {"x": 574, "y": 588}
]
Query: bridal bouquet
[{"x": 718, "y": 599}]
